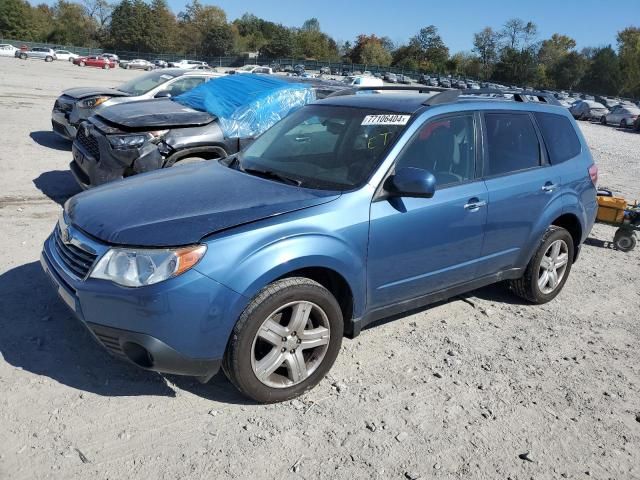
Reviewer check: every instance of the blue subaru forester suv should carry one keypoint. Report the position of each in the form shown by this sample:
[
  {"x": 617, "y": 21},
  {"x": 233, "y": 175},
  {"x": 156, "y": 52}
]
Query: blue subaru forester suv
[{"x": 354, "y": 208}]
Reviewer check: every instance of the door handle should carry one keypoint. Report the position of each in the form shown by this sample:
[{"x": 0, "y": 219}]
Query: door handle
[
  {"x": 474, "y": 205},
  {"x": 549, "y": 187}
]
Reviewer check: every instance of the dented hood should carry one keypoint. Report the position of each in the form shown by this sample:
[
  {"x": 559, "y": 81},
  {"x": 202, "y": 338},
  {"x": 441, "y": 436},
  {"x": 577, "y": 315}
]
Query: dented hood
[
  {"x": 84, "y": 92},
  {"x": 180, "y": 206},
  {"x": 154, "y": 113}
]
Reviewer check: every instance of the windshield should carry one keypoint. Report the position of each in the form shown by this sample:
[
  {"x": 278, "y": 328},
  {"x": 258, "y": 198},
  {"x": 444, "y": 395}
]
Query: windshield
[
  {"x": 141, "y": 85},
  {"x": 325, "y": 147}
]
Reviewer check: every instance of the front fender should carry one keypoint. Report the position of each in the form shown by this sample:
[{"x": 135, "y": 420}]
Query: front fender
[{"x": 314, "y": 250}]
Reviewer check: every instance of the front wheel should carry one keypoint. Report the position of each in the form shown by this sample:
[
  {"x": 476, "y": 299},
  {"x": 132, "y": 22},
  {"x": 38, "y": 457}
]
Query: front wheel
[
  {"x": 623, "y": 124},
  {"x": 23, "y": 56},
  {"x": 48, "y": 59},
  {"x": 106, "y": 66},
  {"x": 549, "y": 268},
  {"x": 603, "y": 120},
  {"x": 82, "y": 64},
  {"x": 285, "y": 341}
]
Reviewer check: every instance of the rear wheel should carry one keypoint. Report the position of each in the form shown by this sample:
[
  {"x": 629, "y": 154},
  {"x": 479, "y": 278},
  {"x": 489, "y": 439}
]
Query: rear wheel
[
  {"x": 624, "y": 240},
  {"x": 603, "y": 120},
  {"x": 549, "y": 268},
  {"x": 623, "y": 123},
  {"x": 23, "y": 56},
  {"x": 285, "y": 341},
  {"x": 48, "y": 59},
  {"x": 82, "y": 64},
  {"x": 105, "y": 66}
]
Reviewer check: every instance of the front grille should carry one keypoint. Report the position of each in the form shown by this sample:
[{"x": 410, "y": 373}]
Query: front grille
[
  {"x": 110, "y": 342},
  {"x": 89, "y": 143},
  {"x": 58, "y": 127},
  {"x": 77, "y": 260}
]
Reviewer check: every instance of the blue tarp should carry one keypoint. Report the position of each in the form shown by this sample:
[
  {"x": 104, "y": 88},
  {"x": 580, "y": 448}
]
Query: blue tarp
[{"x": 246, "y": 104}]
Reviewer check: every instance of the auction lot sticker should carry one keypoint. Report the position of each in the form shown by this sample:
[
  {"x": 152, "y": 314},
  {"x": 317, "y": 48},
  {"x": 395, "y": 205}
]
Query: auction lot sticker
[{"x": 386, "y": 119}]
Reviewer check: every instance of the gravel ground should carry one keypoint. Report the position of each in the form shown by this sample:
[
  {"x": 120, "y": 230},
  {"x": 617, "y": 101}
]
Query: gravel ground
[{"x": 478, "y": 387}]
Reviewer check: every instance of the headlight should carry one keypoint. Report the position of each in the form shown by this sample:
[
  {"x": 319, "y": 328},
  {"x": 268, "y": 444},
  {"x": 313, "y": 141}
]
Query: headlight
[
  {"x": 137, "y": 267},
  {"x": 126, "y": 141},
  {"x": 93, "y": 102}
]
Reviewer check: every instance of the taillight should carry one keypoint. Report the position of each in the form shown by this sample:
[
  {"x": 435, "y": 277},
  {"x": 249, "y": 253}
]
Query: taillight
[{"x": 593, "y": 173}]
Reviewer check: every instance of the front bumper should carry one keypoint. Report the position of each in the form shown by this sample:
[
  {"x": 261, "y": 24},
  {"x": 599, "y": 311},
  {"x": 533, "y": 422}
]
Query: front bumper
[
  {"x": 179, "y": 326},
  {"x": 95, "y": 162},
  {"x": 61, "y": 126}
]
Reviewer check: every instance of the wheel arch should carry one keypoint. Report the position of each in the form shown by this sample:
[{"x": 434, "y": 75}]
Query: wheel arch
[
  {"x": 335, "y": 283},
  {"x": 209, "y": 152},
  {"x": 571, "y": 223}
]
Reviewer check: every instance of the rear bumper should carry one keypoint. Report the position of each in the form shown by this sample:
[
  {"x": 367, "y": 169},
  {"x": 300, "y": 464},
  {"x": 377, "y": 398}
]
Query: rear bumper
[{"x": 179, "y": 326}]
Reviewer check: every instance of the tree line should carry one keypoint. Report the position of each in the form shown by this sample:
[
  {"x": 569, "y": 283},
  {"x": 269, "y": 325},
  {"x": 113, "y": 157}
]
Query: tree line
[{"x": 512, "y": 53}]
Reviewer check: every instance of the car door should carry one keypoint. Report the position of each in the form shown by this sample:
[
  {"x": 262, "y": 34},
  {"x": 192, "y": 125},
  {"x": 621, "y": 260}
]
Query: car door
[
  {"x": 614, "y": 115},
  {"x": 520, "y": 182},
  {"x": 422, "y": 245}
]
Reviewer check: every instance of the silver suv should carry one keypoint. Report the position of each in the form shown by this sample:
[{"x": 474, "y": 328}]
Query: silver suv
[{"x": 37, "y": 52}]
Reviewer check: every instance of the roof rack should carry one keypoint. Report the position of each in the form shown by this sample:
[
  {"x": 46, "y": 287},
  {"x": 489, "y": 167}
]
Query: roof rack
[
  {"x": 450, "y": 96},
  {"x": 400, "y": 88}
]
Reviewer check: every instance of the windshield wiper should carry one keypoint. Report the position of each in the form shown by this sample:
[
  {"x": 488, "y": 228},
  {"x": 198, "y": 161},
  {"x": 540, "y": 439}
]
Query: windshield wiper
[{"x": 272, "y": 175}]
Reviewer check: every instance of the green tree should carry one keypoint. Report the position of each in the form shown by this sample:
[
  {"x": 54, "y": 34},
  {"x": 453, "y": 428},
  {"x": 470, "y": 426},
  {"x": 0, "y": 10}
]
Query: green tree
[
  {"x": 218, "y": 41},
  {"x": 163, "y": 34},
  {"x": 280, "y": 45},
  {"x": 195, "y": 22},
  {"x": 629, "y": 54},
  {"x": 485, "y": 44},
  {"x": 311, "y": 25},
  {"x": 601, "y": 72},
  {"x": 130, "y": 26},
  {"x": 71, "y": 25},
  {"x": 370, "y": 50},
  {"x": 15, "y": 19},
  {"x": 433, "y": 52}
]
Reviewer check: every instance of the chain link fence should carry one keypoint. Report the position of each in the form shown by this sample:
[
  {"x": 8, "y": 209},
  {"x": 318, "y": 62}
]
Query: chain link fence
[{"x": 225, "y": 61}]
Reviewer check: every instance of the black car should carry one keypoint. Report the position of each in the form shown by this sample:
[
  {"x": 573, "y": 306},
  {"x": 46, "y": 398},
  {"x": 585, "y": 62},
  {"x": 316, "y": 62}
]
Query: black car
[{"x": 131, "y": 138}]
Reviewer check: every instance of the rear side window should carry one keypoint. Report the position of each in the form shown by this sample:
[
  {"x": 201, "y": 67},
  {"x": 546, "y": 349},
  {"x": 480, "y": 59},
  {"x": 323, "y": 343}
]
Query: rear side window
[
  {"x": 512, "y": 143},
  {"x": 559, "y": 136}
]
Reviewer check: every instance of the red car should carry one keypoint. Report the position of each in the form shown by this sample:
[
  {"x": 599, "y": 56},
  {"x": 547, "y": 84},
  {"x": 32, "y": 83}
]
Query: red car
[{"x": 101, "y": 62}]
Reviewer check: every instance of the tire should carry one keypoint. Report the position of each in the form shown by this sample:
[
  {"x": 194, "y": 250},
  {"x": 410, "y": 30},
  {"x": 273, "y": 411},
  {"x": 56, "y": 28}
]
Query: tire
[
  {"x": 82, "y": 64},
  {"x": 532, "y": 286},
  {"x": 23, "y": 56},
  {"x": 106, "y": 66},
  {"x": 603, "y": 120},
  {"x": 248, "y": 352},
  {"x": 48, "y": 59},
  {"x": 624, "y": 240},
  {"x": 127, "y": 67},
  {"x": 623, "y": 124}
]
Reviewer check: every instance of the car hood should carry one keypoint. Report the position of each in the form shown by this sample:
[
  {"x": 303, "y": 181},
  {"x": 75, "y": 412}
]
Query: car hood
[
  {"x": 154, "y": 113},
  {"x": 181, "y": 205},
  {"x": 84, "y": 92}
]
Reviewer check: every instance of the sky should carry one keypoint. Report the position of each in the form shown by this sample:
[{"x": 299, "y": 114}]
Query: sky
[{"x": 590, "y": 22}]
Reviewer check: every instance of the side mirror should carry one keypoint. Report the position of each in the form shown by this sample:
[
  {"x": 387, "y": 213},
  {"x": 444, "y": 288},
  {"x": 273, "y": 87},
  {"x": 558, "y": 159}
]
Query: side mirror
[
  {"x": 163, "y": 94},
  {"x": 411, "y": 182}
]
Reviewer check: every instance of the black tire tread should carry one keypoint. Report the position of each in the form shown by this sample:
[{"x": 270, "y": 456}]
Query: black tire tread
[
  {"x": 230, "y": 361},
  {"x": 522, "y": 286}
]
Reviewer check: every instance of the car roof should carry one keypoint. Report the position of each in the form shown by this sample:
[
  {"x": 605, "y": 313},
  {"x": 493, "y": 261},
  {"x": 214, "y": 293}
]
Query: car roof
[{"x": 393, "y": 102}]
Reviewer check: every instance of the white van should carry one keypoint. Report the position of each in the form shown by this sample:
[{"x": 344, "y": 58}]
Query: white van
[{"x": 363, "y": 81}]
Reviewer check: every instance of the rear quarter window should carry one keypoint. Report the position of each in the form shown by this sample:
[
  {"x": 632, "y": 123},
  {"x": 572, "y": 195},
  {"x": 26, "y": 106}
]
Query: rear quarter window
[{"x": 559, "y": 137}]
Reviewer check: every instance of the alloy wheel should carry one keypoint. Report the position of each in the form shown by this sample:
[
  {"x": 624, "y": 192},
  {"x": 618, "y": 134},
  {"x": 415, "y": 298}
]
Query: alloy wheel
[
  {"x": 553, "y": 266},
  {"x": 290, "y": 344}
]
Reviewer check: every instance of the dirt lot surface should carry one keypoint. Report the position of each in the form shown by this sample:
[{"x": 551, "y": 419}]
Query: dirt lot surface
[{"x": 481, "y": 387}]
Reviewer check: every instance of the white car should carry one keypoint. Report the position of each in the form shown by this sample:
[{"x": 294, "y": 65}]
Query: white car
[
  {"x": 66, "y": 55},
  {"x": 111, "y": 56},
  {"x": 253, "y": 69},
  {"x": 363, "y": 81},
  {"x": 623, "y": 115},
  {"x": 188, "y": 64},
  {"x": 7, "y": 50}
]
